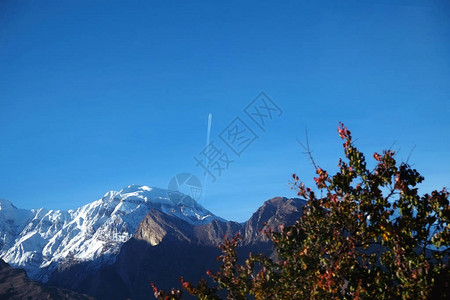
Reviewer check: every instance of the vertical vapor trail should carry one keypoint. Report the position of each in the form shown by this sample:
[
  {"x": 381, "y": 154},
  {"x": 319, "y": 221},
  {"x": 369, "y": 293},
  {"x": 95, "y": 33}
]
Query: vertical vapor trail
[{"x": 208, "y": 134}]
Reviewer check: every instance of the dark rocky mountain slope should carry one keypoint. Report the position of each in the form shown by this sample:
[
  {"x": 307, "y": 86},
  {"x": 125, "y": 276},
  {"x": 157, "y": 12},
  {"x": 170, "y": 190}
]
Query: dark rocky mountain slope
[{"x": 15, "y": 284}]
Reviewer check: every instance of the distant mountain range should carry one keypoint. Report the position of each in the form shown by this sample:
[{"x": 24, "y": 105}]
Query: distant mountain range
[{"x": 112, "y": 247}]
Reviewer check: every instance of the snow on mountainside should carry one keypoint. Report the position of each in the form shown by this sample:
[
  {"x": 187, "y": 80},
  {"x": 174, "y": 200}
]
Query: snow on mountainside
[{"x": 41, "y": 240}]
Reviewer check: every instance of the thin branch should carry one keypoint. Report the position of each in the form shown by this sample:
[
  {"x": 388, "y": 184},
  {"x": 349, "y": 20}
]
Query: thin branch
[
  {"x": 307, "y": 149},
  {"x": 412, "y": 150},
  {"x": 392, "y": 192},
  {"x": 390, "y": 148}
]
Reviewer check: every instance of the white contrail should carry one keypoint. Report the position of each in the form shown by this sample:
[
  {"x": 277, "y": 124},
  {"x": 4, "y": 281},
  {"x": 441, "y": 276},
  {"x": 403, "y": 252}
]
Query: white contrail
[{"x": 208, "y": 134}]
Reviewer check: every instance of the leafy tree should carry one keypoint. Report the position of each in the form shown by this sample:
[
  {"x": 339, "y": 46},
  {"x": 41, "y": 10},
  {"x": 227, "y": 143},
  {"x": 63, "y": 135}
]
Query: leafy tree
[{"x": 369, "y": 235}]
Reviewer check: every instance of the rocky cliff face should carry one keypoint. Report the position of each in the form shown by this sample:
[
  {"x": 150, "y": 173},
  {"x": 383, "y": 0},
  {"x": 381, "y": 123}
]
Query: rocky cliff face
[
  {"x": 274, "y": 212},
  {"x": 157, "y": 226}
]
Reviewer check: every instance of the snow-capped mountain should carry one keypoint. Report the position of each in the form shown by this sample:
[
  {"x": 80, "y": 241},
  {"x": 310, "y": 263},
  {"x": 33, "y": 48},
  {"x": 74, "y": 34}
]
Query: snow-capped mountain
[{"x": 41, "y": 240}]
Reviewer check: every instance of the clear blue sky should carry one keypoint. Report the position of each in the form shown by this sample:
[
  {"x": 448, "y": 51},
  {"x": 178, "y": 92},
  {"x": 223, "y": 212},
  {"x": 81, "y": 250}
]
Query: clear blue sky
[{"x": 97, "y": 95}]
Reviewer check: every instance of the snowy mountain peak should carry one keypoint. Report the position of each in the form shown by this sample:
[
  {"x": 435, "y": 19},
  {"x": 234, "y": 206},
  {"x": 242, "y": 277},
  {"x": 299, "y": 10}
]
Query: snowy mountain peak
[
  {"x": 42, "y": 240},
  {"x": 154, "y": 196},
  {"x": 135, "y": 188}
]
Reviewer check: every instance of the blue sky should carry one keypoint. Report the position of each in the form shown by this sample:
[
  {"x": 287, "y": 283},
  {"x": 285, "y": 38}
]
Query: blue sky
[{"x": 97, "y": 95}]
